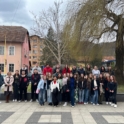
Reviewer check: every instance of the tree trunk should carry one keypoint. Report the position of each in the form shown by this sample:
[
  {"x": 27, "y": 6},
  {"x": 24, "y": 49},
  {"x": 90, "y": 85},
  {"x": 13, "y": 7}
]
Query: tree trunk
[{"x": 119, "y": 54}]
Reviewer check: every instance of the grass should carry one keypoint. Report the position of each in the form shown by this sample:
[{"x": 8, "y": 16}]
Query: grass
[{"x": 120, "y": 89}]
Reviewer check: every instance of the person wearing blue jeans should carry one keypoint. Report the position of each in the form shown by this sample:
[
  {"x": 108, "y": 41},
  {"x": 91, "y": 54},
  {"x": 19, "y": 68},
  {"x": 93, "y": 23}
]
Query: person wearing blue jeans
[
  {"x": 42, "y": 88},
  {"x": 95, "y": 90},
  {"x": 87, "y": 82},
  {"x": 71, "y": 84},
  {"x": 81, "y": 87}
]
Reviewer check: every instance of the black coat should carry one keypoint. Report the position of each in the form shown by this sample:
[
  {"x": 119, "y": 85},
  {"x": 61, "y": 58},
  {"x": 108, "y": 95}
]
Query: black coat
[
  {"x": 80, "y": 85},
  {"x": 16, "y": 80},
  {"x": 24, "y": 82},
  {"x": 35, "y": 78},
  {"x": 92, "y": 87}
]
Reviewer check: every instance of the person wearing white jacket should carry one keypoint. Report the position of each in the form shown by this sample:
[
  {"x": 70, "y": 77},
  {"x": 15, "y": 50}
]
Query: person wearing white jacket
[{"x": 55, "y": 91}]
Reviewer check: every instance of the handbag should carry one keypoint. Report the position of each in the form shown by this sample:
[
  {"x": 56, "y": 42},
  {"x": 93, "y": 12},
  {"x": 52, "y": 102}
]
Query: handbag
[{"x": 37, "y": 91}]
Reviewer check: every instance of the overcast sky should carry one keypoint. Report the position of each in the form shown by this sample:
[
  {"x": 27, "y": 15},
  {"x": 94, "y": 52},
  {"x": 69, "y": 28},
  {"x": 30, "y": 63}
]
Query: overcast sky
[{"x": 18, "y": 12}]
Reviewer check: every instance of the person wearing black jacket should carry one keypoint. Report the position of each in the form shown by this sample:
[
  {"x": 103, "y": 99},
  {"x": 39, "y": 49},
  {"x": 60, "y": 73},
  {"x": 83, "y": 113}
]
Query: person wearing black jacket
[
  {"x": 1, "y": 80},
  {"x": 112, "y": 88},
  {"x": 81, "y": 87},
  {"x": 24, "y": 68},
  {"x": 71, "y": 87},
  {"x": 95, "y": 90},
  {"x": 106, "y": 82},
  {"x": 101, "y": 88},
  {"x": 35, "y": 78},
  {"x": 16, "y": 84},
  {"x": 24, "y": 82}
]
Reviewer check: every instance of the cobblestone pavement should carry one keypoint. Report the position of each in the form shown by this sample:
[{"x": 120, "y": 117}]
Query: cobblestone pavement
[{"x": 33, "y": 113}]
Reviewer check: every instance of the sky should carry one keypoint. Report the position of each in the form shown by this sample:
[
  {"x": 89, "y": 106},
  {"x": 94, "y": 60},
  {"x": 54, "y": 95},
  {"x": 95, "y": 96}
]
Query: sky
[{"x": 18, "y": 12}]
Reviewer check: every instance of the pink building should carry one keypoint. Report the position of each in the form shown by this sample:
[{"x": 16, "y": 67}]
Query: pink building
[{"x": 16, "y": 52}]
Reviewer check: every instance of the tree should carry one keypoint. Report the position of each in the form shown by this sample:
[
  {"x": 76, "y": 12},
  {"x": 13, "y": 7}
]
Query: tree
[
  {"x": 53, "y": 18},
  {"x": 94, "y": 20}
]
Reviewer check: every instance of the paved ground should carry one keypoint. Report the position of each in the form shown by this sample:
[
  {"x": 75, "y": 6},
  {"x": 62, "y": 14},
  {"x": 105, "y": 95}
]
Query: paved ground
[{"x": 33, "y": 113}]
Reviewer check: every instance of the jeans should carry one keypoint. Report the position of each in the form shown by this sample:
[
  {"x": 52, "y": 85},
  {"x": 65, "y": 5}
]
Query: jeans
[
  {"x": 72, "y": 96},
  {"x": 81, "y": 95},
  {"x": 41, "y": 96},
  {"x": 95, "y": 97},
  {"x": 86, "y": 95},
  {"x": 49, "y": 96}
]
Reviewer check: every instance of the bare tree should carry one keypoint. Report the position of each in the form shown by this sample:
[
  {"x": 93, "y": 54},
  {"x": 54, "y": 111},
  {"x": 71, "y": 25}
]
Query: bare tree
[
  {"x": 101, "y": 19},
  {"x": 53, "y": 18}
]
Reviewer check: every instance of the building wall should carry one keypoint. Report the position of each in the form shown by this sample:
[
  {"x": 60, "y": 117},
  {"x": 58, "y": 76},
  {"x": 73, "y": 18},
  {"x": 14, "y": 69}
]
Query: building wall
[
  {"x": 37, "y": 45},
  {"x": 25, "y": 52},
  {"x": 12, "y": 59}
]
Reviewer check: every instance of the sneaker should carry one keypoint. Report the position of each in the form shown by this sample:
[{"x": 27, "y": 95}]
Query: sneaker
[
  {"x": 65, "y": 104},
  {"x": 106, "y": 103},
  {"x": 37, "y": 100},
  {"x": 97, "y": 104},
  {"x": 31, "y": 100},
  {"x": 115, "y": 106},
  {"x": 93, "y": 104},
  {"x": 112, "y": 105},
  {"x": 19, "y": 100},
  {"x": 25, "y": 100},
  {"x": 72, "y": 106},
  {"x": 13, "y": 100},
  {"x": 0, "y": 102}
]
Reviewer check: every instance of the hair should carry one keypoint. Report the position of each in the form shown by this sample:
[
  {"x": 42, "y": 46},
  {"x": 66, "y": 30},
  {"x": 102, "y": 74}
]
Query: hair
[{"x": 114, "y": 79}]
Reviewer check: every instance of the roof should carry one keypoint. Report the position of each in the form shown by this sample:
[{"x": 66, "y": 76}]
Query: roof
[
  {"x": 108, "y": 58},
  {"x": 13, "y": 33}
]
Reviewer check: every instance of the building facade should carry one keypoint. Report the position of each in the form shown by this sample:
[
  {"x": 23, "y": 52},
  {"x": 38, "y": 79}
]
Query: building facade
[
  {"x": 14, "y": 48},
  {"x": 37, "y": 45}
]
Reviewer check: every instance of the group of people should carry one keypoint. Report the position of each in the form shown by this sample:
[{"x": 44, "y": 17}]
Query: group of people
[{"x": 54, "y": 85}]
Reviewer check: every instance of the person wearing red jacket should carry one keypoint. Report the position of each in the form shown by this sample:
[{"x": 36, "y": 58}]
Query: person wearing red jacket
[
  {"x": 47, "y": 69},
  {"x": 66, "y": 70}
]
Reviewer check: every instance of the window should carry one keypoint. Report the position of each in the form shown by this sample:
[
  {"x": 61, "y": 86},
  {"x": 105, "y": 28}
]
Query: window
[
  {"x": 34, "y": 57},
  {"x": 11, "y": 67},
  {"x": 34, "y": 51},
  {"x": 2, "y": 67},
  {"x": 11, "y": 50},
  {"x": 1, "y": 50},
  {"x": 35, "y": 46}
]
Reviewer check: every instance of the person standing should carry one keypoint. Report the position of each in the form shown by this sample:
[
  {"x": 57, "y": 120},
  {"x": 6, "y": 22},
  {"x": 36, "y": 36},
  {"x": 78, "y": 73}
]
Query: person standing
[
  {"x": 101, "y": 81},
  {"x": 35, "y": 78},
  {"x": 95, "y": 90},
  {"x": 49, "y": 94},
  {"x": 8, "y": 86},
  {"x": 72, "y": 86},
  {"x": 16, "y": 86},
  {"x": 112, "y": 88},
  {"x": 55, "y": 91},
  {"x": 81, "y": 70},
  {"x": 37, "y": 68},
  {"x": 1, "y": 82},
  {"x": 42, "y": 88},
  {"x": 66, "y": 70},
  {"x": 87, "y": 82},
  {"x": 65, "y": 90},
  {"x": 81, "y": 87},
  {"x": 24, "y": 82},
  {"x": 96, "y": 72},
  {"x": 24, "y": 68},
  {"x": 47, "y": 69}
]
